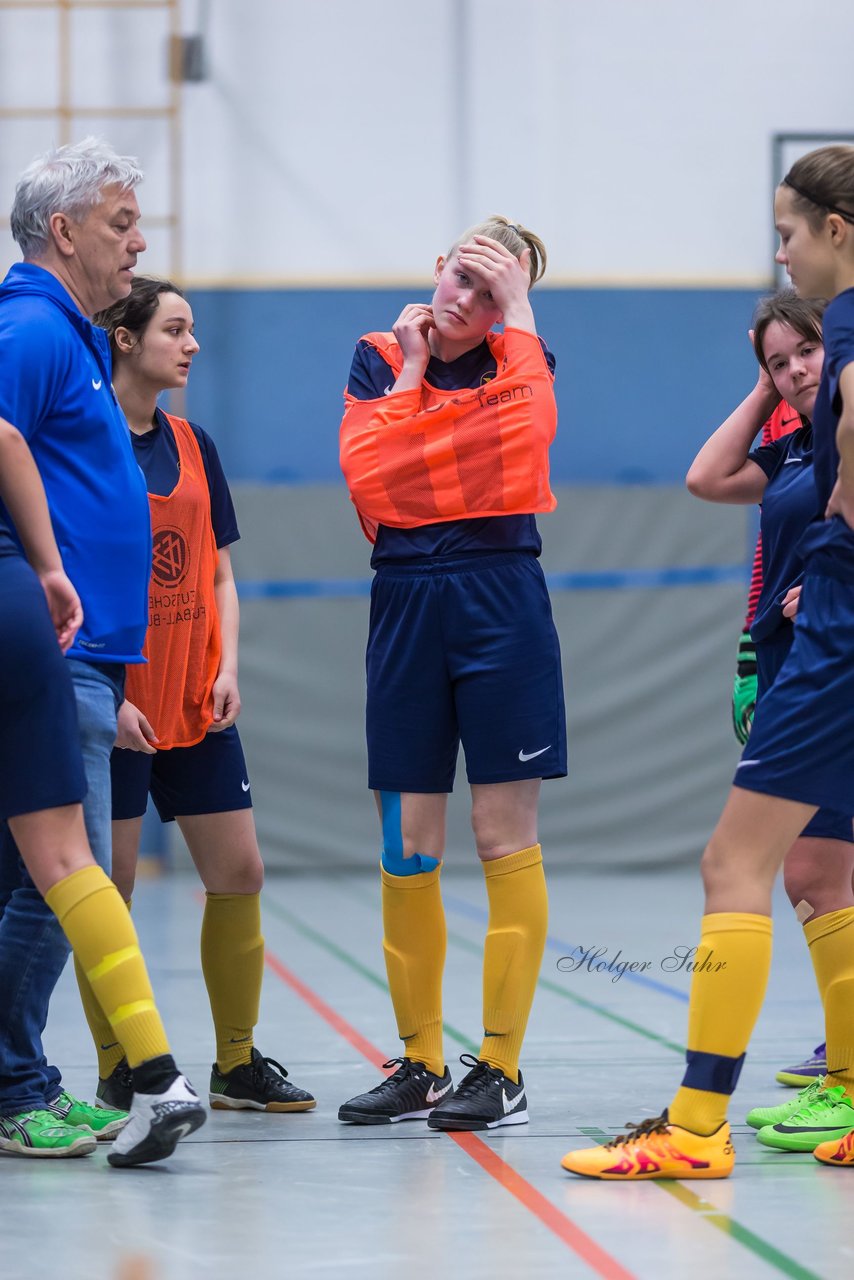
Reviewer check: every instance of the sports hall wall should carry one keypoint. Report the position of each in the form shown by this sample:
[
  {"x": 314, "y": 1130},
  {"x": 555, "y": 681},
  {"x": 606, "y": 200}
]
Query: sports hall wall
[{"x": 331, "y": 150}]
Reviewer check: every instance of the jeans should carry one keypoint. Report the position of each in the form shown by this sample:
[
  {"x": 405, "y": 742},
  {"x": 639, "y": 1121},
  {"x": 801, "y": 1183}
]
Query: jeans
[{"x": 33, "y": 948}]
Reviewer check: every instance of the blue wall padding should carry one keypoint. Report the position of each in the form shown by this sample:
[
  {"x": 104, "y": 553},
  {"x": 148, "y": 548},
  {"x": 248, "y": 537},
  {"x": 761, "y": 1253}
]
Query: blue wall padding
[{"x": 643, "y": 376}]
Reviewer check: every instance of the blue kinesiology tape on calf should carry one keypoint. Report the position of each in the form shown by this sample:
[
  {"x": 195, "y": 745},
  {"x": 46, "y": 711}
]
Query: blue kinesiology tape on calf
[{"x": 392, "y": 855}]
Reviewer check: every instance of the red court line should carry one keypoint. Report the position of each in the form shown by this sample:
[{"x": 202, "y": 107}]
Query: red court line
[{"x": 506, "y": 1176}]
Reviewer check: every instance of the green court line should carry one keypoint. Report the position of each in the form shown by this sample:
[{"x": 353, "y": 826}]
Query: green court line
[
  {"x": 723, "y": 1222},
  {"x": 352, "y": 963}
]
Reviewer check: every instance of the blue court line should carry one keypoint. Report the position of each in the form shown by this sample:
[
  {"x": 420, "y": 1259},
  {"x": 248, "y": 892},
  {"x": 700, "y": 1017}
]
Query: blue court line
[
  {"x": 580, "y": 580},
  {"x": 480, "y": 916}
]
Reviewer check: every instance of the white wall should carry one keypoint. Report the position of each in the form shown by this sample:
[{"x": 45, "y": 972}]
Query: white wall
[{"x": 340, "y": 139}]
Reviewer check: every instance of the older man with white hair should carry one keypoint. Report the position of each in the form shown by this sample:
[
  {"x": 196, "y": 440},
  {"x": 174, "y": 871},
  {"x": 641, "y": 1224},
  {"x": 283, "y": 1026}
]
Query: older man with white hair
[{"x": 75, "y": 218}]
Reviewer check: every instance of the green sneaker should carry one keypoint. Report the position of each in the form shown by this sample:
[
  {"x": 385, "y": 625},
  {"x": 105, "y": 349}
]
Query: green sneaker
[
  {"x": 760, "y": 1116},
  {"x": 41, "y": 1133},
  {"x": 828, "y": 1117},
  {"x": 103, "y": 1123}
]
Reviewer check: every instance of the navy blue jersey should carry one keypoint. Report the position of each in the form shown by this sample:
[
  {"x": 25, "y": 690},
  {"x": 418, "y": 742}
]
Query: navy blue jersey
[
  {"x": 157, "y": 454},
  {"x": 838, "y": 338},
  {"x": 788, "y": 507},
  {"x": 831, "y": 540},
  {"x": 8, "y": 545},
  {"x": 371, "y": 377}
]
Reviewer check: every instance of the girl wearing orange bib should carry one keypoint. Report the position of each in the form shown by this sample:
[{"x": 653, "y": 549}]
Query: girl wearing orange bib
[
  {"x": 177, "y": 739},
  {"x": 444, "y": 447}
]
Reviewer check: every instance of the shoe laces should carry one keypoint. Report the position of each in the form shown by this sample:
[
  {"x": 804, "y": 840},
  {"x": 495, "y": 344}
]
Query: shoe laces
[
  {"x": 822, "y": 1099},
  {"x": 123, "y": 1074},
  {"x": 480, "y": 1075},
  {"x": 645, "y": 1129},
  {"x": 405, "y": 1068},
  {"x": 268, "y": 1069}
]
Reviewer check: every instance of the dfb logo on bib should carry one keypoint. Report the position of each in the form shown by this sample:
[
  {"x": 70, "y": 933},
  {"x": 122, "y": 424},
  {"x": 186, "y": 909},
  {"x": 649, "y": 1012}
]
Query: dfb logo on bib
[{"x": 171, "y": 557}]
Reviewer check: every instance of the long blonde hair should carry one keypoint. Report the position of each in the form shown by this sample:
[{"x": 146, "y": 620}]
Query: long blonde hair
[{"x": 514, "y": 237}]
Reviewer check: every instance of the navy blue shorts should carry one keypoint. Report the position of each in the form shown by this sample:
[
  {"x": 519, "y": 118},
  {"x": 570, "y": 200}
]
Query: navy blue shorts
[
  {"x": 801, "y": 746},
  {"x": 770, "y": 656},
  {"x": 41, "y": 766},
  {"x": 463, "y": 650},
  {"x": 209, "y": 777}
]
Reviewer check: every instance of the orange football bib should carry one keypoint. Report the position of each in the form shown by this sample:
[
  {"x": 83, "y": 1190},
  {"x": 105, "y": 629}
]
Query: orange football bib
[
  {"x": 183, "y": 646},
  {"x": 426, "y": 456}
]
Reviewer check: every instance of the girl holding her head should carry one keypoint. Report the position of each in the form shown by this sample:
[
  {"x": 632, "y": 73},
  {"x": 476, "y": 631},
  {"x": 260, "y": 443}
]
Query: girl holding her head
[
  {"x": 177, "y": 739},
  {"x": 444, "y": 445},
  {"x": 799, "y": 759}
]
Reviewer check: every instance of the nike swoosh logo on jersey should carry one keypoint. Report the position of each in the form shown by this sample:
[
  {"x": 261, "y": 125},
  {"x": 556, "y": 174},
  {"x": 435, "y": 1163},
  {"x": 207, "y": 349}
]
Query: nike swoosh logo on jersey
[
  {"x": 244, "y": 786},
  {"x": 434, "y": 1094},
  {"x": 387, "y": 391},
  {"x": 511, "y": 1104},
  {"x": 531, "y": 755},
  {"x": 96, "y": 386}
]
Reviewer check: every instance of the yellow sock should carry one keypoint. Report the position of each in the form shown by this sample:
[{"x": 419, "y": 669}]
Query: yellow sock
[
  {"x": 512, "y": 953},
  {"x": 414, "y": 943},
  {"x": 107, "y": 1047},
  {"x": 233, "y": 968},
  {"x": 96, "y": 922},
  {"x": 831, "y": 943},
  {"x": 730, "y": 975}
]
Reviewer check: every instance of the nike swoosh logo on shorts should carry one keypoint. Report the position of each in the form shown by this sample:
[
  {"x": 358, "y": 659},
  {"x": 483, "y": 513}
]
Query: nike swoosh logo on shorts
[
  {"x": 434, "y": 1094},
  {"x": 96, "y": 386},
  {"x": 789, "y": 461},
  {"x": 531, "y": 755},
  {"x": 745, "y": 764},
  {"x": 509, "y": 1105},
  {"x": 244, "y": 786}
]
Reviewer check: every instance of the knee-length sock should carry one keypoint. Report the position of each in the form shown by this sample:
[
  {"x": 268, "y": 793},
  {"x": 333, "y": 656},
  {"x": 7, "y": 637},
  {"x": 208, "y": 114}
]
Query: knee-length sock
[
  {"x": 109, "y": 1050},
  {"x": 414, "y": 945},
  {"x": 97, "y": 924},
  {"x": 233, "y": 967},
  {"x": 512, "y": 953},
  {"x": 831, "y": 943},
  {"x": 727, "y": 989}
]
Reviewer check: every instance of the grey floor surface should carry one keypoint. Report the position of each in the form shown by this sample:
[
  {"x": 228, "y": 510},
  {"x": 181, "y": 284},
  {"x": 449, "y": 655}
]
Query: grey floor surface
[{"x": 251, "y": 1196}]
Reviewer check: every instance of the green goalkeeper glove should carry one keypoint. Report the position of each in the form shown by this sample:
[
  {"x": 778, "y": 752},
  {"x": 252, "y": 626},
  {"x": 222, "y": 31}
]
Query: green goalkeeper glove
[{"x": 744, "y": 688}]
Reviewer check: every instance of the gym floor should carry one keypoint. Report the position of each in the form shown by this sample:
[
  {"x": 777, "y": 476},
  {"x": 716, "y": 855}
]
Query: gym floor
[{"x": 304, "y": 1196}]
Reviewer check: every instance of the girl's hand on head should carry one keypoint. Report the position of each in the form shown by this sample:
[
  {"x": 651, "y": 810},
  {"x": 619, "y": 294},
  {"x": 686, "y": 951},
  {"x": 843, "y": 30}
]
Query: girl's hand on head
[
  {"x": 410, "y": 330},
  {"x": 765, "y": 382},
  {"x": 506, "y": 276}
]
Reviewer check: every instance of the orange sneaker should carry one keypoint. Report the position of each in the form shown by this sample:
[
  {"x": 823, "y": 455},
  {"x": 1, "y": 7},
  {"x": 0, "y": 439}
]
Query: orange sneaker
[
  {"x": 656, "y": 1149},
  {"x": 839, "y": 1152}
]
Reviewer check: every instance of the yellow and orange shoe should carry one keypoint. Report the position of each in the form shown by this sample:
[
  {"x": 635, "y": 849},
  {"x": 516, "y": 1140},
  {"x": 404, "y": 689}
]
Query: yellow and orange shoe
[
  {"x": 839, "y": 1152},
  {"x": 656, "y": 1149}
]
